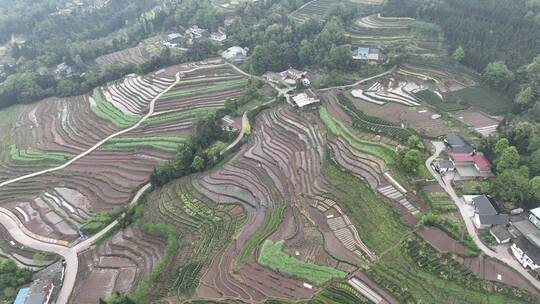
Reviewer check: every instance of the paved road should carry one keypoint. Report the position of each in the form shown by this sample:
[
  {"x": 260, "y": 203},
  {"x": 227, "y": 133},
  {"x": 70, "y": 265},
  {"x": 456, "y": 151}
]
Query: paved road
[
  {"x": 69, "y": 254},
  {"x": 501, "y": 252}
]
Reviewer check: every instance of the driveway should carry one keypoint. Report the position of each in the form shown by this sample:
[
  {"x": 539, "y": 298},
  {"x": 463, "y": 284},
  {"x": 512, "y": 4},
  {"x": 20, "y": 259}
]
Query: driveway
[{"x": 501, "y": 252}]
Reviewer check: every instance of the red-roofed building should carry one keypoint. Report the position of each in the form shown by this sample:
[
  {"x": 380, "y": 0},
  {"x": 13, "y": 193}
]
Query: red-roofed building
[{"x": 479, "y": 161}]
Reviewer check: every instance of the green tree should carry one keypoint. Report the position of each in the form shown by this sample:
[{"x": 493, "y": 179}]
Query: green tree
[
  {"x": 513, "y": 185},
  {"x": 459, "y": 54},
  {"x": 412, "y": 160},
  {"x": 259, "y": 60},
  {"x": 339, "y": 58},
  {"x": 509, "y": 159},
  {"x": 11, "y": 279},
  {"x": 525, "y": 96},
  {"x": 501, "y": 145},
  {"x": 117, "y": 298},
  {"x": 534, "y": 184},
  {"x": 534, "y": 162},
  {"x": 414, "y": 142},
  {"x": 497, "y": 75},
  {"x": 198, "y": 163},
  {"x": 522, "y": 133}
]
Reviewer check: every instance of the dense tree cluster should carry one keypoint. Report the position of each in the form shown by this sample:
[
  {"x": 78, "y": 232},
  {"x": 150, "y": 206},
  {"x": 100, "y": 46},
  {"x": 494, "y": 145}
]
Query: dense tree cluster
[
  {"x": 487, "y": 30},
  {"x": 278, "y": 42},
  {"x": 410, "y": 157},
  {"x": 199, "y": 153},
  {"x": 11, "y": 279},
  {"x": 518, "y": 175},
  {"x": 81, "y": 36}
]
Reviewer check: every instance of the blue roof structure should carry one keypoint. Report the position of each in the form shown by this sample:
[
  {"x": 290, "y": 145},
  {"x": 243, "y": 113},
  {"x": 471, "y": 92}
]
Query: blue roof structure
[
  {"x": 239, "y": 57},
  {"x": 21, "y": 296},
  {"x": 361, "y": 52}
]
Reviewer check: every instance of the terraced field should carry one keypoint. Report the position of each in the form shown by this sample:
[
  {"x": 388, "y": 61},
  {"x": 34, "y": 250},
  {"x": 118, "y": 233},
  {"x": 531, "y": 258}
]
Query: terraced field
[
  {"x": 393, "y": 33},
  {"x": 136, "y": 55},
  {"x": 319, "y": 9},
  {"x": 51, "y": 132},
  {"x": 117, "y": 265}
]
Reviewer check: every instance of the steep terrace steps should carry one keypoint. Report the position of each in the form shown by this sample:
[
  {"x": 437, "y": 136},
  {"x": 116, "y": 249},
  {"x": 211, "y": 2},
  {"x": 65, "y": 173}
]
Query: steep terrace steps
[{"x": 393, "y": 194}]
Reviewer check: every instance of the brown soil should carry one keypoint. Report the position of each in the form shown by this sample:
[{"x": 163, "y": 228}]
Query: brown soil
[{"x": 440, "y": 240}]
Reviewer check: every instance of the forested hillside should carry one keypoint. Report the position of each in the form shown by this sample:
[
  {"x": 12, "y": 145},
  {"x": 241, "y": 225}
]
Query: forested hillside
[
  {"x": 50, "y": 33},
  {"x": 488, "y": 30}
]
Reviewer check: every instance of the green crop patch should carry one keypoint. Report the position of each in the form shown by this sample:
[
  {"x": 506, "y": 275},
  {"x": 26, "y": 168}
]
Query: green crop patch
[
  {"x": 188, "y": 114},
  {"x": 384, "y": 151},
  {"x": 218, "y": 87},
  {"x": 272, "y": 256},
  {"x": 35, "y": 155},
  {"x": 435, "y": 100},
  {"x": 167, "y": 143},
  {"x": 376, "y": 220},
  {"x": 271, "y": 223},
  {"x": 484, "y": 98},
  {"x": 107, "y": 111}
]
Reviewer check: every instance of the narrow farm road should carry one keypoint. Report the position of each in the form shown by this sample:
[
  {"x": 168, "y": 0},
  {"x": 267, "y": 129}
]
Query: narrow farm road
[
  {"x": 19, "y": 232},
  {"x": 12, "y": 224},
  {"x": 99, "y": 144},
  {"x": 501, "y": 253},
  {"x": 392, "y": 70}
]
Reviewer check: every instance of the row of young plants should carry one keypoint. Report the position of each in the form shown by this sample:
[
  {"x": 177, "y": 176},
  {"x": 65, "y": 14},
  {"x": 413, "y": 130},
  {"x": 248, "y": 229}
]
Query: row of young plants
[
  {"x": 218, "y": 224},
  {"x": 416, "y": 272},
  {"x": 218, "y": 87},
  {"x": 372, "y": 124},
  {"x": 273, "y": 257},
  {"x": 271, "y": 223},
  {"x": 183, "y": 114},
  {"x": 106, "y": 111},
  {"x": 378, "y": 149},
  {"x": 35, "y": 155},
  {"x": 167, "y": 143}
]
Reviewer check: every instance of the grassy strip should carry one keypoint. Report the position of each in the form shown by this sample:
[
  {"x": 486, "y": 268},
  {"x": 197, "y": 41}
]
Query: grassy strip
[
  {"x": 35, "y": 155},
  {"x": 272, "y": 221},
  {"x": 106, "y": 111},
  {"x": 336, "y": 293},
  {"x": 208, "y": 79},
  {"x": 168, "y": 143},
  {"x": 193, "y": 113},
  {"x": 272, "y": 256},
  {"x": 168, "y": 232},
  {"x": 377, "y": 222},
  {"x": 487, "y": 99},
  {"x": 100, "y": 221},
  {"x": 452, "y": 230},
  {"x": 433, "y": 99},
  {"x": 384, "y": 151},
  {"x": 221, "y": 86}
]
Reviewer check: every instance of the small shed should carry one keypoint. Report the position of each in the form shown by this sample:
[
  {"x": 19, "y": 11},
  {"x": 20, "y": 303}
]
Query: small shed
[
  {"x": 309, "y": 97},
  {"x": 501, "y": 234}
]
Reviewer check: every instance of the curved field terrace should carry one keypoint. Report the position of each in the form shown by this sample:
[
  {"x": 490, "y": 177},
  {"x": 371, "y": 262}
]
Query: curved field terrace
[{"x": 51, "y": 132}]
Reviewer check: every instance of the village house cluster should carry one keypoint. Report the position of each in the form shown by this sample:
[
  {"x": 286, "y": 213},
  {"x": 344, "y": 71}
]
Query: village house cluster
[{"x": 519, "y": 229}]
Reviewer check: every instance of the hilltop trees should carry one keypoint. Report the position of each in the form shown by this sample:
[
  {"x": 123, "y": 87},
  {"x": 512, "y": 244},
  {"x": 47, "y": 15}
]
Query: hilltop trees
[
  {"x": 497, "y": 75},
  {"x": 513, "y": 183}
]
